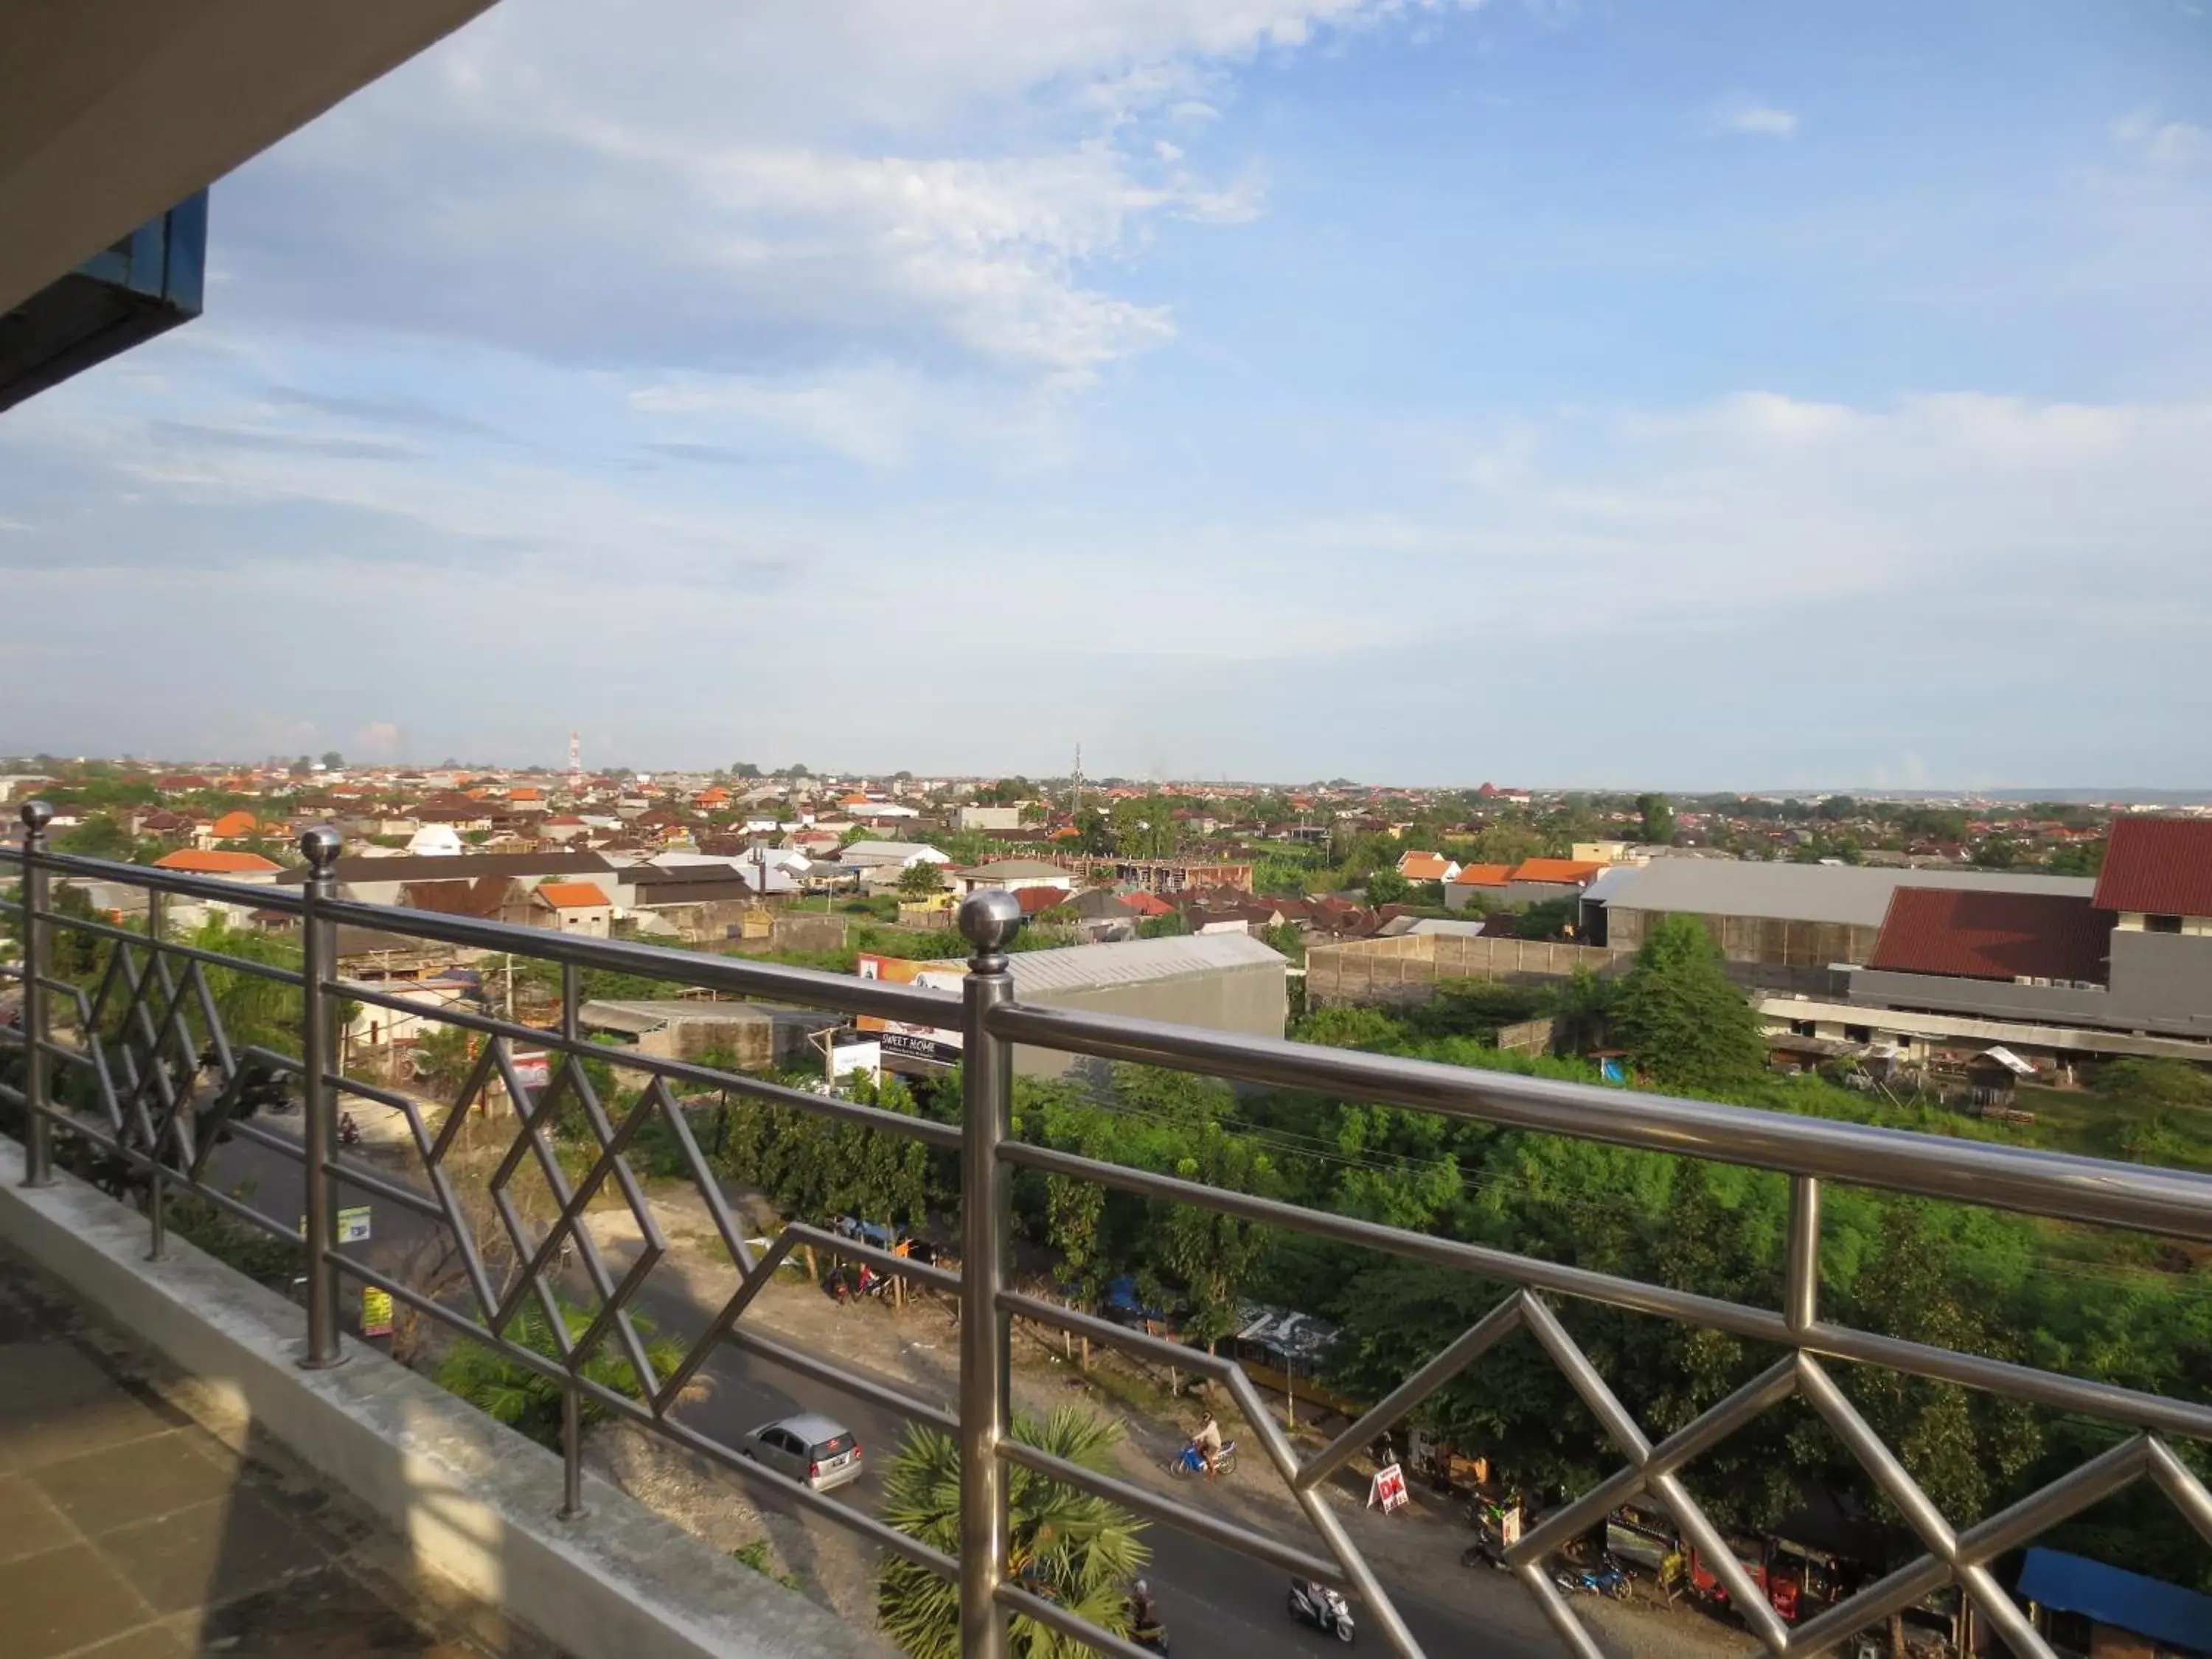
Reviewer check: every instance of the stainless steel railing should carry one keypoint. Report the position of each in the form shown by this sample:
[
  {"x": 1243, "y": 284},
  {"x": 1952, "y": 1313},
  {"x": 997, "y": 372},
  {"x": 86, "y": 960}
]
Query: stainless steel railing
[{"x": 149, "y": 1029}]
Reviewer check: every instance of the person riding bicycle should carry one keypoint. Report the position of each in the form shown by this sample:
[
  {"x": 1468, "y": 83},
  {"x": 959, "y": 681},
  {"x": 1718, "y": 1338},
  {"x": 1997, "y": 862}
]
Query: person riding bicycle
[{"x": 1207, "y": 1443}]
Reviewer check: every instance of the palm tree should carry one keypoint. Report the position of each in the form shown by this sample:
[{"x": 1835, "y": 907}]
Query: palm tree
[{"x": 1079, "y": 1551}]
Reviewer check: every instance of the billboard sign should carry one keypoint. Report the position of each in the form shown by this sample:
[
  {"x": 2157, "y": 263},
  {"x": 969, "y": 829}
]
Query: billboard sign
[{"x": 935, "y": 1045}]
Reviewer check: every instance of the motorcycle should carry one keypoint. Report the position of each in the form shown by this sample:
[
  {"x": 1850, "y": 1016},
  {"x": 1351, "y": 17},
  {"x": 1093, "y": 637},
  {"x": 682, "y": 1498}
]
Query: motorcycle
[
  {"x": 1146, "y": 1629},
  {"x": 1191, "y": 1461},
  {"x": 1325, "y": 1609},
  {"x": 348, "y": 1131},
  {"x": 1604, "y": 1579}
]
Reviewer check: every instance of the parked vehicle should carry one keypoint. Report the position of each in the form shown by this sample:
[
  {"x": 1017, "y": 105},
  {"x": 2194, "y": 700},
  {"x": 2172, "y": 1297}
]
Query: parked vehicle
[
  {"x": 348, "y": 1131},
  {"x": 1191, "y": 1461},
  {"x": 1325, "y": 1609},
  {"x": 807, "y": 1446},
  {"x": 1606, "y": 1578}
]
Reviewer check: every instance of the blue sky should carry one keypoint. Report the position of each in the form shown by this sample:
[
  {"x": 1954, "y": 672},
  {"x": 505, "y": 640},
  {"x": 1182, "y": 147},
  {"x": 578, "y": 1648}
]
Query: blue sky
[{"x": 1688, "y": 395}]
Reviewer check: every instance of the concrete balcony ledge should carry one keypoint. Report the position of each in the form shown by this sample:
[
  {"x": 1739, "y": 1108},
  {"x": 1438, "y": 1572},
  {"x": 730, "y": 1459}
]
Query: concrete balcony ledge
[{"x": 476, "y": 1502}]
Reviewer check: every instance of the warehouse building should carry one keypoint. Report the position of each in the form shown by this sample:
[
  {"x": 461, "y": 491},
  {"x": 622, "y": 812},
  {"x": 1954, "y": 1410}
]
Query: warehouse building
[
  {"x": 1780, "y": 926},
  {"x": 1218, "y": 981}
]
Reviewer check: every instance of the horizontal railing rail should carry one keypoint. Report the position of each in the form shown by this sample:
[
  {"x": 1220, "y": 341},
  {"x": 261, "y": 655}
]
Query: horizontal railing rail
[{"x": 156, "y": 1084}]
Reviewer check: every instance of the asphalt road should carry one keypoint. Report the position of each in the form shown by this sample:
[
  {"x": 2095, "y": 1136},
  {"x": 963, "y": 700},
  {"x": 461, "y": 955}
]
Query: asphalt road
[{"x": 1213, "y": 1600}]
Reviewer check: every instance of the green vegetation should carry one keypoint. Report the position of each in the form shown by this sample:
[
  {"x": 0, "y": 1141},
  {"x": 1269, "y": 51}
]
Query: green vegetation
[
  {"x": 526, "y": 1399},
  {"x": 1078, "y": 1551},
  {"x": 1683, "y": 1021}
]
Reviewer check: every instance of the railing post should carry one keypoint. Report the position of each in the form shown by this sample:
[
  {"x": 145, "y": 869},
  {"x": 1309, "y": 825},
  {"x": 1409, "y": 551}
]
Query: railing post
[
  {"x": 157, "y": 1184},
  {"x": 1801, "y": 1293},
  {"x": 571, "y": 1414},
  {"x": 989, "y": 921},
  {"x": 37, "y": 953},
  {"x": 320, "y": 1111}
]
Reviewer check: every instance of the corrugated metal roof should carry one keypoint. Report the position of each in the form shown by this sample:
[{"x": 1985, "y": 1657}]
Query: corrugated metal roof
[
  {"x": 2165, "y": 1612},
  {"x": 2003, "y": 936},
  {"x": 2160, "y": 865},
  {"x": 1134, "y": 961},
  {"x": 1801, "y": 892}
]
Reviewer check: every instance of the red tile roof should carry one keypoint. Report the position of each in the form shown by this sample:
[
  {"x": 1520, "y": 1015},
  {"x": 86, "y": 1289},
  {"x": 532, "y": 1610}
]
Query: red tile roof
[
  {"x": 1556, "y": 869},
  {"x": 571, "y": 895},
  {"x": 1967, "y": 933},
  {"x": 1034, "y": 899},
  {"x": 1148, "y": 904},
  {"x": 217, "y": 864},
  {"x": 2160, "y": 865},
  {"x": 1423, "y": 866},
  {"x": 1484, "y": 875}
]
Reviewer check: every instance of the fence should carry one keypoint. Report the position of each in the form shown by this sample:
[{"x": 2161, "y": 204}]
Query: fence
[
  {"x": 1408, "y": 968},
  {"x": 165, "y": 1081}
]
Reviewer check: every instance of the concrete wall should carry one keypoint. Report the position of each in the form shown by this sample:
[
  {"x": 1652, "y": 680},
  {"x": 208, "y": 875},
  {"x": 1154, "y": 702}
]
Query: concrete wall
[
  {"x": 2163, "y": 982},
  {"x": 1774, "y": 940},
  {"x": 1253, "y": 1001},
  {"x": 1406, "y": 971},
  {"x": 1984, "y": 998},
  {"x": 2160, "y": 983}
]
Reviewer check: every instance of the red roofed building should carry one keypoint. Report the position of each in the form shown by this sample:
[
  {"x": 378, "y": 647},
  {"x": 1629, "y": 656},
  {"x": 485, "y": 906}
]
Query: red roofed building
[
  {"x": 237, "y": 867},
  {"x": 1476, "y": 881},
  {"x": 1538, "y": 881},
  {"x": 1968, "y": 933},
  {"x": 573, "y": 907},
  {"x": 2158, "y": 874},
  {"x": 1426, "y": 866}
]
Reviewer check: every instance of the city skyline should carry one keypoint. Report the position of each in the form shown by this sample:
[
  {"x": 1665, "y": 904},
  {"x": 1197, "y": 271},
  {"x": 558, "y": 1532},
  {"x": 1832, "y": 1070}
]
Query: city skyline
[{"x": 1291, "y": 388}]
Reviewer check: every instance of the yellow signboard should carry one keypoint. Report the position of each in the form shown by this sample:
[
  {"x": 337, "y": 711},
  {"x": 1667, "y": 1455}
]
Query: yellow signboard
[{"x": 376, "y": 1311}]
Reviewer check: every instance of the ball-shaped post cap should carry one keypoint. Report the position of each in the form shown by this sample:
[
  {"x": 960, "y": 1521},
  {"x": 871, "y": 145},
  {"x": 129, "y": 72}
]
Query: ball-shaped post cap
[
  {"x": 989, "y": 920},
  {"x": 319, "y": 847},
  {"x": 37, "y": 815}
]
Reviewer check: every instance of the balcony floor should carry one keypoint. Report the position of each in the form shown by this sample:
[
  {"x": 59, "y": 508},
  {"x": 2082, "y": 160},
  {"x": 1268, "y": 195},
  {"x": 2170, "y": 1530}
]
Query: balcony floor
[{"x": 128, "y": 1530}]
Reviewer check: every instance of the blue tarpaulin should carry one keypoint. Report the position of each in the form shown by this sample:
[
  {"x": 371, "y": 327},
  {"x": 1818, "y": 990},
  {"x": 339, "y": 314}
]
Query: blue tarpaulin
[{"x": 2165, "y": 1612}]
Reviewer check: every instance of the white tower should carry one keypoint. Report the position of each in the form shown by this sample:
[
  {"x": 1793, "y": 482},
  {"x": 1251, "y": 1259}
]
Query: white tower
[{"x": 575, "y": 763}]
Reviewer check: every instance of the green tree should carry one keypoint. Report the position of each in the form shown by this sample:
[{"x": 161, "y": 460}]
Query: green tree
[
  {"x": 1684, "y": 1024},
  {"x": 1387, "y": 887},
  {"x": 1079, "y": 1551},
  {"x": 1995, "y": 852},
  {"x": 745, "y": 770},
  {"x": 1658, "y": 815},
  {"x": 332, "y": 760},
  {"x": 526, "y": 1400},
  {"x": 920, "y": 880},
  {"x": 1961, "y": 1447}
]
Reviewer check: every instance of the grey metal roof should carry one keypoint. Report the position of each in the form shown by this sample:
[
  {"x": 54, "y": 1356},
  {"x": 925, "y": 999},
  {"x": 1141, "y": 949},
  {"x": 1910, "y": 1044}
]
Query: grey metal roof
[
  {"x": 1851, "y": 894},
  {"x": 1135, "y": 961},
  {"x": 1442, "y": 925}
]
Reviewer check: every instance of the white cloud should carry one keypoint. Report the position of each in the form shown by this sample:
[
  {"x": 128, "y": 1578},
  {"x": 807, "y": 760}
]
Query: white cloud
[
  {"x": 1754, "y": 120},
  {"x": 2165, "y": 143},
  {"x": 953, "y": 187}
]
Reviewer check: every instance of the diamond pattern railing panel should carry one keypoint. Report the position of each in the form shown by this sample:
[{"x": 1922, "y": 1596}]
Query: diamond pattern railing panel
[{"x": 166, "y": 1081}]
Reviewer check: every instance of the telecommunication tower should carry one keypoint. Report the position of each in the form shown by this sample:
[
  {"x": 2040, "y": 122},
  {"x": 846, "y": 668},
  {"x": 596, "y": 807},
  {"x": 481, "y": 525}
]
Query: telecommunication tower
[{"x": 575, "y": 763}]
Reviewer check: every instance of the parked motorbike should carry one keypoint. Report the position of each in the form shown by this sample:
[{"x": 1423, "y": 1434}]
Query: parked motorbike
[
  {"x": 1604, "y": 1579},
  {"x": 1191, "y": 1461},
  {"x": 348, "y": 1131},
  {"x": 1325, "y": 1609}
]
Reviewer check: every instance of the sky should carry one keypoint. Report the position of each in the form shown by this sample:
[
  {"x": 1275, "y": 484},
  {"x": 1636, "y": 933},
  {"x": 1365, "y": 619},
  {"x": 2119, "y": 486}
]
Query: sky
[{"x": 1635, "y": 394}]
